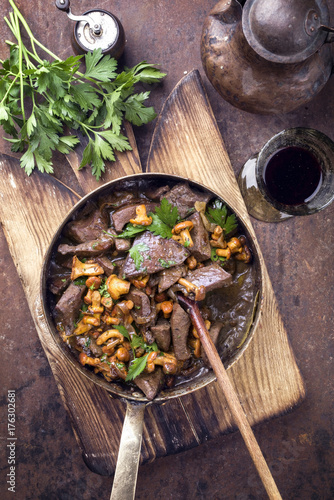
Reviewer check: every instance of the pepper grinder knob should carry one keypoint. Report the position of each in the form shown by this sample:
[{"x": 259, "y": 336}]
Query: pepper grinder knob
[{"x": 63, "y": 5}]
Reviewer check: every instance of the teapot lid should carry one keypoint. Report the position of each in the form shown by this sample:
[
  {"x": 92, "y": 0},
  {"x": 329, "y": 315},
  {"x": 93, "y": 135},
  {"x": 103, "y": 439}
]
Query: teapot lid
[{"x": 285, "y": 31}]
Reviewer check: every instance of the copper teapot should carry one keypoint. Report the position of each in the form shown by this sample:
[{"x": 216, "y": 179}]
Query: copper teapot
[{"x": 268, "y": 57}]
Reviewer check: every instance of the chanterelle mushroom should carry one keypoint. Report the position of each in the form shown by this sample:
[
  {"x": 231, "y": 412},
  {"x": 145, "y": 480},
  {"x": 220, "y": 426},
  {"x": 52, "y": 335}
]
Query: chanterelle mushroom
[
  {"x": 168, "y": 362},
  {"x": 84, "y": 268},
  {"x": 142, "y": 219},
  {"x": 181, "y": 233},
  {"x": 117, "y": 287},
  {"x": 199, "y": 291}
]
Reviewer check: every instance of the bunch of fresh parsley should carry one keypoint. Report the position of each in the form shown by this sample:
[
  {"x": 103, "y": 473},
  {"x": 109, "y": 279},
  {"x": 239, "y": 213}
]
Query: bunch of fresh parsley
[{"x": 40, "y": 100}]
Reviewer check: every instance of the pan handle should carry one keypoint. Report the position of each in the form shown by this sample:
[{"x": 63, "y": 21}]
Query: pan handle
[{"x": 125, "y": 479}]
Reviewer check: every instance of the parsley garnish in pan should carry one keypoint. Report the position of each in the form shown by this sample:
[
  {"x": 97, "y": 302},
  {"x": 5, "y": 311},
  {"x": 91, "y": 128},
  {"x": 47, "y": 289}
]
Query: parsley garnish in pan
[
  {"x": 123, "y": 331},
  {"x": 136, "y": 252},
  {"x": 138, "y": 364},
  {"x": 214, "y": 257},
  {"x": 80, "y": 281},
  {"x": 167, "y": 213},
  {"x": 159, "y": 228},
  {"x": 60, "y": 98},
  {"x": 130, "y": 231},
  {"x": 218, "y": 215},
  {"x": 136, "y": 367},
  {"x": 166, "y": 263},
  {"x": 103, "y": 290},
  {"x": 138, "y": 341},
  {"x": 163, "y": 221}
]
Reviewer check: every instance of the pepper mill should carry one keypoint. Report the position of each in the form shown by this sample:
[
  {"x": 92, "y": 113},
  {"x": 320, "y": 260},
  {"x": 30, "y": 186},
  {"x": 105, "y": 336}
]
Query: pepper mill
[{"x": 95, "y": 29}]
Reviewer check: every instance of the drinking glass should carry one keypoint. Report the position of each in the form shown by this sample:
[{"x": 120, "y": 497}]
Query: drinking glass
[{"x": 293, "y": 174}]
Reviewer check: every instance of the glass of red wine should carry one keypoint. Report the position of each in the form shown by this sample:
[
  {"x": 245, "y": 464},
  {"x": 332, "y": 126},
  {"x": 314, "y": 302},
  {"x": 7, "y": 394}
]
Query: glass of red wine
[{"x": 293, "y": 174}]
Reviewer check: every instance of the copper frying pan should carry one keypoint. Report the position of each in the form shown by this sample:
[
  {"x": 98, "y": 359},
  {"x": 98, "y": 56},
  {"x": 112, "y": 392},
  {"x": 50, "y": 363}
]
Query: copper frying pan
[{"x": 129, "y": 452}]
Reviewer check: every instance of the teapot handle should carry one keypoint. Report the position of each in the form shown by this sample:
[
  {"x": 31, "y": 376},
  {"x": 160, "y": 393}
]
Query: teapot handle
[{"x": 330, "y": 33}]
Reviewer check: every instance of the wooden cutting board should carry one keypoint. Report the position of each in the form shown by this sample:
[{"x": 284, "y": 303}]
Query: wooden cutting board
[{"x": 186, "y": 142}]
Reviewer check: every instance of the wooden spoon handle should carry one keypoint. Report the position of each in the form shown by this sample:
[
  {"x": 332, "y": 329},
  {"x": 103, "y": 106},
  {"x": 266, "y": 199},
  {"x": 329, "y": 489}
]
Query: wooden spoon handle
[{"x": 231, "y": 398}]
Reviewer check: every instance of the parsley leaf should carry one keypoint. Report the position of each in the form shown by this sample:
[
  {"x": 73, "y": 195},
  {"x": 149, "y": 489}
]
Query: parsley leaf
[
  {"x": 214, "y": 257},
  {"x": 167, "y": 264},
  {"x": 167, "y": 213},
  {"x": 80, "y": 281},
  {"x": 148, "y": 74},
  {"x": 136, "y": 252},
  {"x": 136, "y": 112},
  {"x": 103, "y": 290},
  {"x": 158, "y": 227},
  {"x": 99, "y": 67},
  {"x": 138, "y": 341},
  {"x": 136, "y": 367},
  {"x": 131, "y": 230},
  {"x": 123, "y": 331},
  {"x": 218, "y": 215},
  {"x": 163, "y": 221},
  {"x": 139, "y": 364}
]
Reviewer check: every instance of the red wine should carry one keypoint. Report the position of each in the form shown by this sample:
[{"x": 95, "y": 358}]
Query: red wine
[{"x": 292, "y": 175}]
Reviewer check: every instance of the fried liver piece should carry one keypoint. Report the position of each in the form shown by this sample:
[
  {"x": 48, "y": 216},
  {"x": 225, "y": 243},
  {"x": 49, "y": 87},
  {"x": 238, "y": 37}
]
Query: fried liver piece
[
  {"x": 184, "y": 198},
  {"x": 157, "y": 193},
  {"x": 89, "y": 248},
  {"x": 88, "y": 228},
  {"x": 121, "y": 244},
  {"x": 211, "y": 277},
  {"x": 150, "y": 383},
  {"x": 168, "y": 277},
  {"x": 156, "y": 253},
  {"x": 161, "y": 334},
  {"x": 142, "y": 312},
  {"x": 108, "y": 267},
  {"x": 201, "y": 249},
  {"x": 180, "y": 324},
  {"x": 68, "y": 306}
]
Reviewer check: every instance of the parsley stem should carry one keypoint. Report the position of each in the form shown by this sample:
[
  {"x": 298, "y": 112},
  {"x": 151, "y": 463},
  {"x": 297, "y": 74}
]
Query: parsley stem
[
  {"x": 31, "y": 36},
  {"x": 18, "y": 36},
  {"x": 9, "y": 88},
  {"x": 34, "y": 41},
  {"x": 27, "y": 54}
]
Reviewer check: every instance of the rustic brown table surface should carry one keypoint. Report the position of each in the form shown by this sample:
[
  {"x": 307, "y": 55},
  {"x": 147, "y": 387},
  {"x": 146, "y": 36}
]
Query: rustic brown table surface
[{"x": 298, "y": 254}]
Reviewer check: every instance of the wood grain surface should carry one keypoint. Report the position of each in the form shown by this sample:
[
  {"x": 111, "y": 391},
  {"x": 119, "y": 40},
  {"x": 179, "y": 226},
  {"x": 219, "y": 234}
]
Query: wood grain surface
[{"x": 186, "y": 142}]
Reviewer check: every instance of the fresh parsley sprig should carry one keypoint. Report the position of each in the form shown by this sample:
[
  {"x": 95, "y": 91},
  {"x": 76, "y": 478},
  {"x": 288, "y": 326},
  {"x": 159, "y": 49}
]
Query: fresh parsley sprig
[
  {"x": 218, "y": 215},
  {"x": 164, "y": 219},
  {"x": 137, "y": 365},
  {"x": 40, "y": 100},
  {"x": 167, "y": 213}
]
